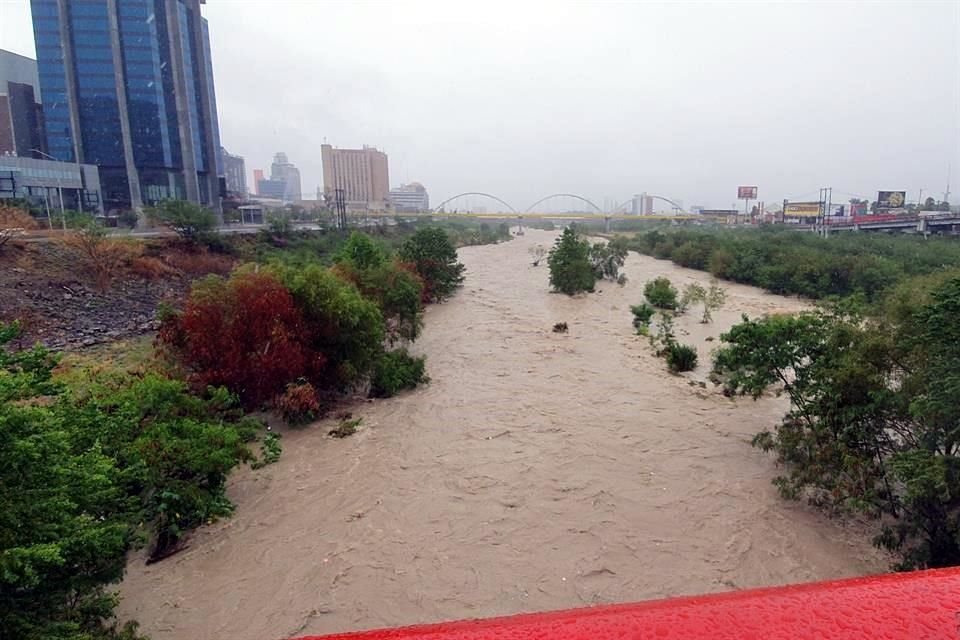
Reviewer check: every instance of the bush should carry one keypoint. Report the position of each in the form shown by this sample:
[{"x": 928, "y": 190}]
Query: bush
[
  {"x": 681, "y": 357},
  {"x": 397, "y": 291},
  {"x": 103, "y": 257},
  {"x": 85, "y": 470},
  {"x": 569, "y": 260},
  {"x": 188, "y": 220},
  {"x": 13, "y": 221},
  {"x": 560, "y": 327},
  {"x": 343, "y": 330},
  {"x": 199, "y": 262},
  {"x": 607, "y": 258},
  {"x": 361, "y": 252},
  {"x": 245, "y": 333},
  {"x": 299, "y": 404},
  {"x": 396, "y": 371},
  {"x": 434, "y": 258},
  {"x": 642, "y": 314},
  {"x": 661, "y": 293}
]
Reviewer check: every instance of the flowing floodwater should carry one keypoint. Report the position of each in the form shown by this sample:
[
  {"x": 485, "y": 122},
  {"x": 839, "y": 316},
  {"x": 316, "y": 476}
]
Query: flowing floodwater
[{"x": 536, "y": 471}]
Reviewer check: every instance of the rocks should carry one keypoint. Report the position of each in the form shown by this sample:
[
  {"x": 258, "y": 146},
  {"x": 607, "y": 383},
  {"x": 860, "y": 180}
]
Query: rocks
[{"x": 62, "y": 312}]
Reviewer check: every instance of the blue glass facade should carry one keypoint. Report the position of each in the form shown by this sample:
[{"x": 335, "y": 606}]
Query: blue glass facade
[
  {"x": 148, "y": 56},
  {"x": 53, "y": 79}
]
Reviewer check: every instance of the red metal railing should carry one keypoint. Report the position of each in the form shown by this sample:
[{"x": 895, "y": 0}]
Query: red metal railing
[{"x": 904, "y": 606}]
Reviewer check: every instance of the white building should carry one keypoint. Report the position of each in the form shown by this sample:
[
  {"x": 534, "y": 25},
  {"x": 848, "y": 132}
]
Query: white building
[{"x": 410, "y": 197}]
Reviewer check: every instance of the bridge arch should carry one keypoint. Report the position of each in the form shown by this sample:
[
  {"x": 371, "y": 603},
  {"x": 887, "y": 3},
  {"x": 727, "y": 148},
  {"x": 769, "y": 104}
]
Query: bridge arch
[
  {"x": 566, "y": 195},
  {"x": 475, "y": 193},
  {"x": 650, "y": 195}
]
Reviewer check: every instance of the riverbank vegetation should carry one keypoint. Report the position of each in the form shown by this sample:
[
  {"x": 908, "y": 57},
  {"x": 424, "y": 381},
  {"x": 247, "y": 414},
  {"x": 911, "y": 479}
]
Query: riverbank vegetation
[
  {"x": 98, "y": 460},
  {"x": 791, "y": 262},
  {"x": 872, "y": 374}
]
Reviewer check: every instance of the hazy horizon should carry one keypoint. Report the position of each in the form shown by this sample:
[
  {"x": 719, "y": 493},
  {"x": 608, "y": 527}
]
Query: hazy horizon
[{"x": 526, "y": 99}]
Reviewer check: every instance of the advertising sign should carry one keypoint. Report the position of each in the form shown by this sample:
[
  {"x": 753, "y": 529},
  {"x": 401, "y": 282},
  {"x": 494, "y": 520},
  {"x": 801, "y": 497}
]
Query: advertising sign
[
  {"x": 891, "y": 199},
  {"x": 747, "y": 193},
  {"x": 801, "y": 210}
]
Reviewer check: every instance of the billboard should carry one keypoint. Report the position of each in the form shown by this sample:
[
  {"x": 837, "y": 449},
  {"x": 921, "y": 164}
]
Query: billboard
[
  {"x": 747, "y": 193},
  {"x": 891, "y": 199},
  {"x": 801, "y": 210}
]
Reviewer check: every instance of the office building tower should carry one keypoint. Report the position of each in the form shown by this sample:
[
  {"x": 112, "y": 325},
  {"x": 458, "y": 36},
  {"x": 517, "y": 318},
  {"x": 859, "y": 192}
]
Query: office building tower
[
  {"x": 359, "y": 176},
  {"x": 21, "y": 114},
  {"x": 283, "y": 171},
  {"x": 235, "y": 173},
  {"x": 128, "y": 85}
]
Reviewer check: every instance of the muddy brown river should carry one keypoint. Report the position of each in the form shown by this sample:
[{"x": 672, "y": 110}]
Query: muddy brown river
[{"x": 536, "y": 471}]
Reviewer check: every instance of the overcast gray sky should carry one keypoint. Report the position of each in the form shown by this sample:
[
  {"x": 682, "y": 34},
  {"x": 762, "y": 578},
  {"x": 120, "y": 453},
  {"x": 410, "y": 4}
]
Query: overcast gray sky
[{"x": 523, "y": 99}]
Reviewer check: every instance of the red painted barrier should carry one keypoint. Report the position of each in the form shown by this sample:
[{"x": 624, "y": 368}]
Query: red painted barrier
[{"x": 906, "y": 606}]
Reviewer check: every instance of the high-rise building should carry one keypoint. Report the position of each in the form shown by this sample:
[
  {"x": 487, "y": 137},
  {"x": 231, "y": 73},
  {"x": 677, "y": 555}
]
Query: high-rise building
[
  {"x": 128, "y": 85},
  {"x": 410, "y": 197},
  {"x": 21, "y": 114},
  {"x": 283, "y": 171},
  {"x": 235, "y": 173},
  {"x": 360, "y": 175},
  {"x": 270, "y": 188},
  {"x": 257, "y": 179}
]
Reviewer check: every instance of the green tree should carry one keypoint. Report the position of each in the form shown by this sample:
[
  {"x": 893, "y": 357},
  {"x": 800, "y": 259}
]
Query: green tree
[
  {"x": 361, "y": 252},
  {"x": 63, "y": 531},
  {"x": 873, "y": 423},
  {"x": 434, "y": 258},
  {"x": 188, "y": 220},
  {"x": 607, "y": 258},
  {"x": 661, "y": 293},
  {"x": 569, "y": 260},
  {"x": 345, "y": 329}
]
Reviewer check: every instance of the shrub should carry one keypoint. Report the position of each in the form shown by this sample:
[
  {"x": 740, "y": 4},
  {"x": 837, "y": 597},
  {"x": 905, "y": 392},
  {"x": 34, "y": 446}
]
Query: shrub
[
  {"x": 607, "y": 258},
  {"x": 344, "y": 330},
  {"x": 103, "y": 257},
  {"x": 661, "y": 293},
  {"x": 82, "y": 472},
  {"x": 150, "y": 268},
  {"x": 14, "y": 221},
  {"x": 270, "y": 451},
  {"x": 560, "y": 327},
  {"x": 361, "y": 252},
  {"x": 681, "y": 357},
  {"x": 693, "y": 293},
  {"x": 245, "y": 333},
  {"x": 346, "y": 427},
  {"x": 396, "y": 371},
  {"x": 642, "y": 314},
  {"x": 199, "y": 262},
  {"x": 397, "y": 291},
  {"x": 188, "y": 220},
  {"x": 569, "y": 261},
  {"x": 434, "y": 259},
  {"x": 299, "y": 404}
]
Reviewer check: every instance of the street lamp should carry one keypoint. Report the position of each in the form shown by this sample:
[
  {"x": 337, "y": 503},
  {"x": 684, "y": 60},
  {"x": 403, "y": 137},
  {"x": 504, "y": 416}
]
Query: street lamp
[{"x": 63, "y": 213}]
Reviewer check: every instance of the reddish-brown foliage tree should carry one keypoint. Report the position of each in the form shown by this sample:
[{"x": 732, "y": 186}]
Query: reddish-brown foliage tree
[
  {"x": 244, "y": 333},
  {"x": 300, "y": 403}
]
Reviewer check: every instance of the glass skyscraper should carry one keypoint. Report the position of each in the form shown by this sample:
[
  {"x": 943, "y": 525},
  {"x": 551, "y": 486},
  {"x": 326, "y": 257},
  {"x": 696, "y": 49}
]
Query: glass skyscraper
[{"x": 128, "y": 85}]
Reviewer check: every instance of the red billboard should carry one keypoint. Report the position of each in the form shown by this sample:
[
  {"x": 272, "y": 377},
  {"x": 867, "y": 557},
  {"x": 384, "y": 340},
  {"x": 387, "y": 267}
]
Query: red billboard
[{"x": 747, "y": 193}]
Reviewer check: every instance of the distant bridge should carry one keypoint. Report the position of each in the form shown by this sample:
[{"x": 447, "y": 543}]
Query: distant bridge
[{"x": 575, "y": 196}]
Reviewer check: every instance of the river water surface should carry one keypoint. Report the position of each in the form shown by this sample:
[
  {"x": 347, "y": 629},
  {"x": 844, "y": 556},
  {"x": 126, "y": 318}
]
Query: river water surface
[{"x": 536, "y": 471}]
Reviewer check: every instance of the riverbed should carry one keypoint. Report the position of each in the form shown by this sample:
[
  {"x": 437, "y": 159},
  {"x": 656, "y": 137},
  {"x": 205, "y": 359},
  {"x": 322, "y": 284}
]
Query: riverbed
[{"x": 536, "y": 471}]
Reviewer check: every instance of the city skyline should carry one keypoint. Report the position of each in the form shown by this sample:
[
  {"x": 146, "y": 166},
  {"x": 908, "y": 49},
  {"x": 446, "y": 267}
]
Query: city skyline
[{"x": 604, "y": 101}]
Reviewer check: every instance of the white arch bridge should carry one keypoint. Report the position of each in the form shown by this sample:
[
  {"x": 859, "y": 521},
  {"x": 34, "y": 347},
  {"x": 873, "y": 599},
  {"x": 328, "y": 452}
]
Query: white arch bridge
[{"x": 619, "y": 209}]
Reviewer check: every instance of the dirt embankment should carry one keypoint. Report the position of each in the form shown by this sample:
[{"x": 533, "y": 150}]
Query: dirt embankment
[
  {"x": 537, "y": 471},
  {"x": 49, "y": 289}
]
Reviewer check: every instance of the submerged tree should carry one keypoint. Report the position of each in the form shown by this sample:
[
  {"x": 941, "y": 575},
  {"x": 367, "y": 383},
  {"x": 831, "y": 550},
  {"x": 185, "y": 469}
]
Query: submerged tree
[{"x": 569, "y": 260}]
